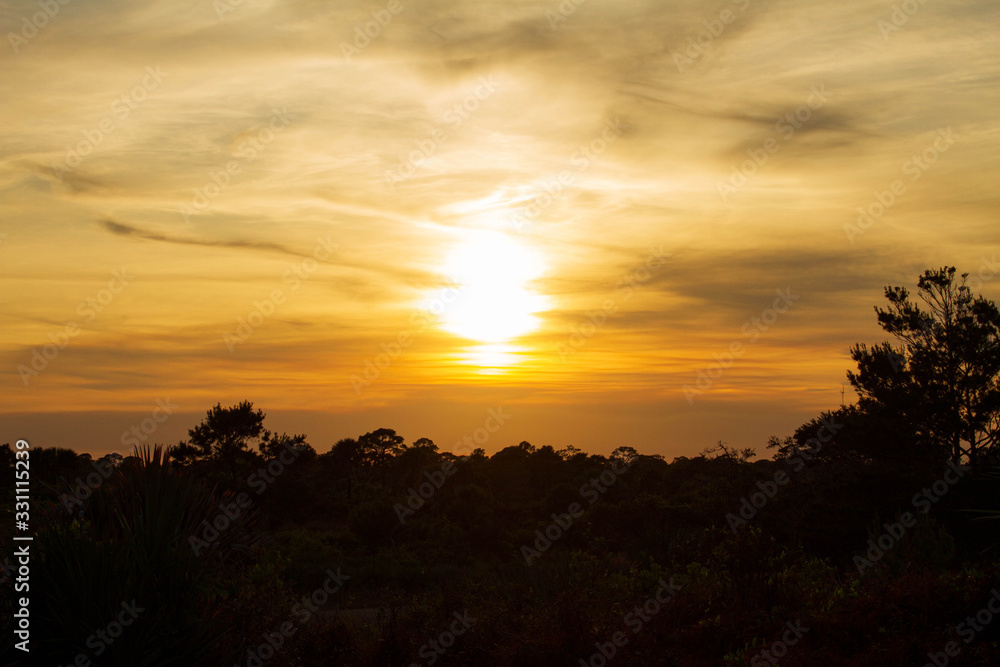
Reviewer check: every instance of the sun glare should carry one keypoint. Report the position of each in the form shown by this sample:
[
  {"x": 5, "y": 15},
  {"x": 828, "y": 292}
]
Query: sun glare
[
  {"x": 496, "y": 302},
  {"x": 492, "y": 358}
]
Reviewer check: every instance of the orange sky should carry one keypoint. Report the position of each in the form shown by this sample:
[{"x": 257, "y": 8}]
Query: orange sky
[{"x": 573, "y": 212}]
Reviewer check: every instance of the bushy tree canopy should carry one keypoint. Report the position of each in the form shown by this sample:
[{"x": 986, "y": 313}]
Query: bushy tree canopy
[{"x": 943, "y": 377}]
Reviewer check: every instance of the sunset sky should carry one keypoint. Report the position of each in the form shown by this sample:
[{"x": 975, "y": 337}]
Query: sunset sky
[{"x": 562, "y": 211}]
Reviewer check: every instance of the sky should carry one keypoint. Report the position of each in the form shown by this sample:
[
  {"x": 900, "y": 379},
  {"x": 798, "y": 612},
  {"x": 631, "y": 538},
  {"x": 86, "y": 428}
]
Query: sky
[{"x": 589, "y": 223}]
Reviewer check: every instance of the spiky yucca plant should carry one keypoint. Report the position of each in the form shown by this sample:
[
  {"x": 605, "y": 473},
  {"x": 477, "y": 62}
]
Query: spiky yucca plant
[{"x": 126, "y": 553}]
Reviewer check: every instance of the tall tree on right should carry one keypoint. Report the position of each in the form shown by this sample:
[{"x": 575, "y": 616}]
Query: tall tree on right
[{"x": 944, "y": 378}]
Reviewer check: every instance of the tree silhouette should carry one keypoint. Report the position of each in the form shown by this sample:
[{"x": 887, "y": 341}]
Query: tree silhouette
[
  {"x": 346, "y": 455},
  {"x": 272, "y": 445},
  {"x": 226, "y": 437},
  {"x": 425, "y": 443},
  {"x": 625, "y": 454},
  {"x": 377, "y": 447},
  {"x": 944, "y": 378}
]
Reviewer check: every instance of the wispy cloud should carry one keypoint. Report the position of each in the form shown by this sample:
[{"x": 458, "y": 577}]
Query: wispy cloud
[{"x": 122, "y": 229}]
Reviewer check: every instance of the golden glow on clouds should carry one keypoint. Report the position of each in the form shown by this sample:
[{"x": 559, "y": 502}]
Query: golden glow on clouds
[
  {"x": 483, "y": 115},
  {"x": 493, "y": 358}
]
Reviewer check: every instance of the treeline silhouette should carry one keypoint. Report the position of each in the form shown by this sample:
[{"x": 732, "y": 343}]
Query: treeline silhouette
[{"x": 870, "y": 537}]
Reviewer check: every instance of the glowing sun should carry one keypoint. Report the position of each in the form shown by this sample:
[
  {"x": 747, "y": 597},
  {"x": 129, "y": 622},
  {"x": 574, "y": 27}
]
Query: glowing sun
[{"x": 493, "y": 273}]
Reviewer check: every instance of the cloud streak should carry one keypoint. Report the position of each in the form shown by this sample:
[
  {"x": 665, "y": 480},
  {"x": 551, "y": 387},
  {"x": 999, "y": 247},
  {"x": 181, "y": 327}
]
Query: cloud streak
[{"x": 121, "y": 229}]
